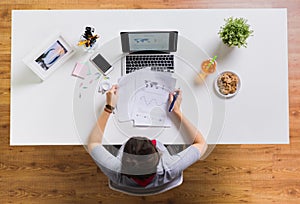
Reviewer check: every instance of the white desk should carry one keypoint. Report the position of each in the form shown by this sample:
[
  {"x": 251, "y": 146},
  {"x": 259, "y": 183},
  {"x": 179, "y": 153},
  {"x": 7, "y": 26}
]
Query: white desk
[
  {"x": 42, "y": 113},
  {"x": 199, "y": 100}
]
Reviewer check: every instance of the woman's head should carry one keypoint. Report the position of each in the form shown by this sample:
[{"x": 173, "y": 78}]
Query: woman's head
[{"x": 140, "y": 158}]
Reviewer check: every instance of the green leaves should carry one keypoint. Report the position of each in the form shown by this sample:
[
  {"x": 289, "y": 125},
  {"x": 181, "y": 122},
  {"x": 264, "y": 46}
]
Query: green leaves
[{"x": 235, "y": 32}]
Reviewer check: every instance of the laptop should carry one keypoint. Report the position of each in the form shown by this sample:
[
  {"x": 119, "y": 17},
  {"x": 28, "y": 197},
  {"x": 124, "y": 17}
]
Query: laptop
[{"x": 148, "y": 49}]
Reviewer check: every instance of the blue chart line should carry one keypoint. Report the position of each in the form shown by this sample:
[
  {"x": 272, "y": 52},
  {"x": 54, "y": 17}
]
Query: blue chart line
[{"x": 152, "y": 101}]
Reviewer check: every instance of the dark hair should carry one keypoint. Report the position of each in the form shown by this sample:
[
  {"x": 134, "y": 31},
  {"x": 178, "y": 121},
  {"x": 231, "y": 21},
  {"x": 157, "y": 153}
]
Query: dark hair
[{"x": 140, "y": 158}]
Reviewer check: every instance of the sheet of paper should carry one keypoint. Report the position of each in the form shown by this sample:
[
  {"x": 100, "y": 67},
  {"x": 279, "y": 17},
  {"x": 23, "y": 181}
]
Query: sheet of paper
[
  {"x": 126, "y": 93},
  {"x": 143, "y": 98},
  {"x": 150, "y": 107}
]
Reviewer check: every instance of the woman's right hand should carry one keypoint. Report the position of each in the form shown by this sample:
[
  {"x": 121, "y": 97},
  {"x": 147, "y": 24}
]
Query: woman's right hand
[
  {"x": 177, "y": 104},
  {"x": 112, "y": 96}
]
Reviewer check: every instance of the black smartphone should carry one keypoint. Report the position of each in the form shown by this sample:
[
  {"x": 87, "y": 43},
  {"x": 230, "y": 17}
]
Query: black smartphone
[{"x": 101, "y": 63}]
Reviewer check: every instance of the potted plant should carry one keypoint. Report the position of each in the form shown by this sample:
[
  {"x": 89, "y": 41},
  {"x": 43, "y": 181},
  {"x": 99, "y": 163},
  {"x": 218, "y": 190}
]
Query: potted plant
[{"x": 235, "y": 32}]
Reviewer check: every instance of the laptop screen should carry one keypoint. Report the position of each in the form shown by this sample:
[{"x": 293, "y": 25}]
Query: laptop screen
[{"x": 164, "y": 41}]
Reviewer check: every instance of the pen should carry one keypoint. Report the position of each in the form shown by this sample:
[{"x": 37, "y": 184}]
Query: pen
[{"x": 173, "y": 102}]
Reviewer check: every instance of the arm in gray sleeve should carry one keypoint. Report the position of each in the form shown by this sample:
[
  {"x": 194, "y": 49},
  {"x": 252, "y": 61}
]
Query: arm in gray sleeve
[
  {"x": 108, "y": 163},
  {"x": 177, "y": 163}
]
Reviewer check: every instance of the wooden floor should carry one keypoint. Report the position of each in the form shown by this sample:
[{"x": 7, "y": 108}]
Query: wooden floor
[{"x": 231, "y": 174}]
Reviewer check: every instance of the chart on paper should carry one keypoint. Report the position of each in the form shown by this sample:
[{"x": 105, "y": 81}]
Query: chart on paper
[
  {"x": 143, "y": 98},
  {"x": 150, "y": 105}
]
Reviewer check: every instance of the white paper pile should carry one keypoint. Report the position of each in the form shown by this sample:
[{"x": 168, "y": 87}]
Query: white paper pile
[{"x": 143, "y": 98}]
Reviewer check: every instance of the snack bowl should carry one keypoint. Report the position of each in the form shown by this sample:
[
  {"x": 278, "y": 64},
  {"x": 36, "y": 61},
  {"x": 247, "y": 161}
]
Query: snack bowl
[{"x": 227, "y": 84}]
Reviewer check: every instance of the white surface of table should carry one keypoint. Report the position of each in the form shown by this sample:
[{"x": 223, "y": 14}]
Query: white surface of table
[
  {"x": 42, "y": 113},
  {"x": 199, "y": 99}
]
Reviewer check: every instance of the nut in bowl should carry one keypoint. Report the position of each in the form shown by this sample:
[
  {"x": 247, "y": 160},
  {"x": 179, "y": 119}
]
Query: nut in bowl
[{"x": 227, "y": 84}]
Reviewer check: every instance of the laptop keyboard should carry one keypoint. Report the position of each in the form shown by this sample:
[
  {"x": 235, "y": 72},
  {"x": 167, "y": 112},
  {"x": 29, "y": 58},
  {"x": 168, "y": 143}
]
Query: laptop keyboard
[{"x": 163, "y": 63}]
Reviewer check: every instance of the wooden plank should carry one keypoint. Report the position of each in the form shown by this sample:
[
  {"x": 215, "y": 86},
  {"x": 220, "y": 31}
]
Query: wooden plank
[{"x": 278, "y": 191}]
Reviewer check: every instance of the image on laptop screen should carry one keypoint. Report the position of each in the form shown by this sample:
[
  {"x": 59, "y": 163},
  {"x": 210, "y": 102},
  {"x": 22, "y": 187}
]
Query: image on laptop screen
[
  {"x": 148, "y": 41},
  {"x": 165, "y": 41}
]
